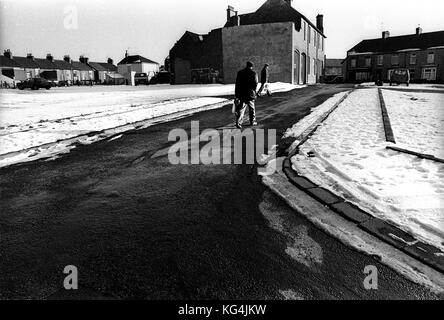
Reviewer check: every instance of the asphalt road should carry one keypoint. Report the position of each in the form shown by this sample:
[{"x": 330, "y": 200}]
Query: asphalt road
[{"x": 138, "y": 227}]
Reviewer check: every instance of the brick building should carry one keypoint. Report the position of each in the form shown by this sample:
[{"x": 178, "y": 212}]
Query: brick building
[
  {"x": 276, "y": 34},
  {"x": 421, "y": 53}
]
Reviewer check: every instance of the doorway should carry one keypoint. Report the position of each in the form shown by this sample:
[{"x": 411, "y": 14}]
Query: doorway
[
  {"x": 304, "y": 68},
  {"x": 296, "y": 67}
]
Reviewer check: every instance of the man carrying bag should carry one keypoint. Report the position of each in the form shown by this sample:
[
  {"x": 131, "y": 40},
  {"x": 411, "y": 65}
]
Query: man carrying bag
[{"x": 245, "y": 92}]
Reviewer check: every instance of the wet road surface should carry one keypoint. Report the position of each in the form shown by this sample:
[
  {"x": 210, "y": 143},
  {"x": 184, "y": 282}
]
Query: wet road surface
[{"x": 138, "y": 227}]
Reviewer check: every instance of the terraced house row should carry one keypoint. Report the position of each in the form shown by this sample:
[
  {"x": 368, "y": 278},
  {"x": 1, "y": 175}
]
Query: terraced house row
[
  {"x": 421, "y": 53},
  {"x": 62, "y": 72}
]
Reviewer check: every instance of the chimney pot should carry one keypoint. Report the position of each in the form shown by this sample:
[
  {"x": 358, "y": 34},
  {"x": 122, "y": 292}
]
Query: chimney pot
[
  {"x": 418, "y": 30},
  {"x": 7, "y": 53},
  {"x": 67, "y": 58},
  {"x": 110, "y": 61},
  {"x": 230, "y": 13},
  {"x": 30, "y": 56},
  {"x": 320, "y": 22},
  {"x": 385, "y": 34},
  {"x": 49, "y": 57}
]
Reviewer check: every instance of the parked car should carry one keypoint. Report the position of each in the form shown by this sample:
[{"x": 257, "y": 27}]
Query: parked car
[
  {"x": 400, "y": 76},
  {"x": 35, "y": 84},
  {"x": 141, "y": 78}
]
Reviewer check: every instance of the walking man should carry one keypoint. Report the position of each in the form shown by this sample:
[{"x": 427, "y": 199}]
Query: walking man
[
  {"x": 264, "y": 81},
  {"x": 245, "y": 92}
]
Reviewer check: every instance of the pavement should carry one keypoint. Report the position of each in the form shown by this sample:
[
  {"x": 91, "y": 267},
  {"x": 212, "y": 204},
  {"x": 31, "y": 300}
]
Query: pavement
[
  {"x": 427, "y": 254},
  {"x": 137, "y": 227}
]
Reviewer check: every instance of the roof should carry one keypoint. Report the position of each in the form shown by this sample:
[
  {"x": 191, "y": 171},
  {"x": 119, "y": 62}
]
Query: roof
[
  {"x": 62, "y": 65},
  {"x": 97, "y": 66},
  {"x": 273, "y": 11},
  {"x": 25, "y": 62},
  {"x": 6, "y": 62},
  {"x": 108, "y": 66},
  {"x": 333, "y": 63},
  {"x": 136, "y": 59},
  {"x": 76, "y": 65},
  {"x": 45, "y": 64},
  {"x": 393, "y": 44}
]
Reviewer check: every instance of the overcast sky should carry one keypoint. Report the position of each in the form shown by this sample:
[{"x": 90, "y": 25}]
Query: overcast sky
[{"x": 106, "y": 28}]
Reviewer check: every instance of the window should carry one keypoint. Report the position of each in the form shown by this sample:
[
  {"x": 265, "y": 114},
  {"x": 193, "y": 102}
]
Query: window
[
  {"x": 395, "y": 60},
  {"x": 315, "y": 38},
  {"x": 353, "y": 63},
  {"x": 309, "y": 34},
  {"x": 322, "y": 43},
  {"x": 412, "y": 74},
  {"x": 412, "y": 58},
  {"x": 431, "y": 57},
  {"x": 380, "y": 60},
  {"x": 305, "y": 31},
  {"x": 368, "y": 61},
  {"x": 429, "y": 74},
  {"x": 308, "y": 65}
]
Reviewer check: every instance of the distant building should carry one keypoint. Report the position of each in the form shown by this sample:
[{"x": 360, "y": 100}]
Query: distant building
[
  {"x": 47, "y": 69},
  {"x": 421, "y": 53},
  {"x": 334, "y": 70},
  {"x": 11, "y": 71},
  {"x": 276, "y": 34},
  {"x": 29, "y": 65},
  {"x": 106, "y": 72},
  {"x": 133, "y": 64},
  {"x": 82, "y": 72},
  {"x": 64, "y": 69}
]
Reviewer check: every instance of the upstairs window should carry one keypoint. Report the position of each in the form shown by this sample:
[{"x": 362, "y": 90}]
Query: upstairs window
[
  {"x": 380, "y": 60},
  {"x": 431, "y": 57},
  {"x": 412, "y": 58},
  {"x": 309, "y": 34},
  {"x": 368, "y": 61},
  {"x": 353, "y": 63},
  {"x": 305, "y": 31},
  {"x": 395, "y": 60}
]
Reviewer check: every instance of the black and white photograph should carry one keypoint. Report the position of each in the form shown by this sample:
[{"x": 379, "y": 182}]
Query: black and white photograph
[{"x": 224, "y": 157}]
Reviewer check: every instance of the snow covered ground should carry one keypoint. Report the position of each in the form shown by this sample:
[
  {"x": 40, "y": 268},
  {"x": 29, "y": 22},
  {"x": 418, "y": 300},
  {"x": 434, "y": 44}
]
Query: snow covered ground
[
  {"x": 417, "y": 120},
  {"x": 412, "y": 86},
  {"x": 40, "y": 124},
  {"x": 351, "y": 159}
]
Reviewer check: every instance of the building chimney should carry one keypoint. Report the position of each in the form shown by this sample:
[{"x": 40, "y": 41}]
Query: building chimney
[
  {"x": 289, "y": 2},
  {"x": 83, "y": 59},
  {"x": 385, "y": 34},
  {"x": 49, "y": 57},
  {"x": 7, "y": 53},
  {"x": 237, "y": 19},
  {"x": 67, "y": 58},
  {"x": 320, "y": 22},
  {"x": 418, "y": 31},
  {"x": 230, "y": 13},
  {"x": 110, "y": 61},
  {"x": 30, "y": 56},
  {"x": 126, "y": 53}
]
